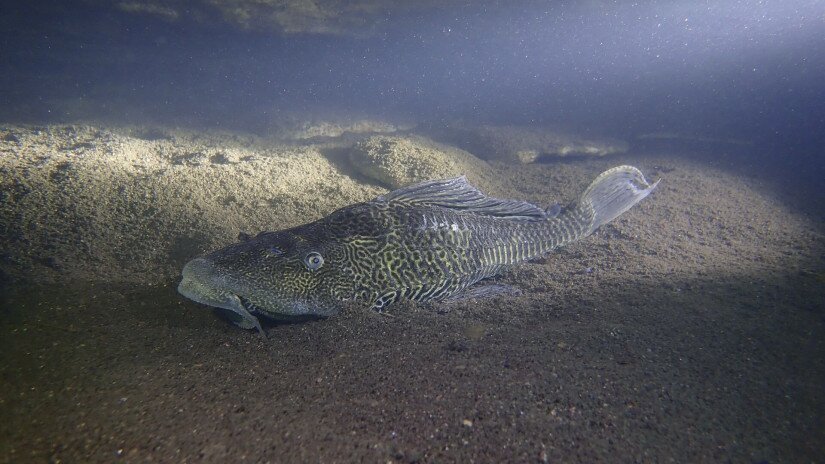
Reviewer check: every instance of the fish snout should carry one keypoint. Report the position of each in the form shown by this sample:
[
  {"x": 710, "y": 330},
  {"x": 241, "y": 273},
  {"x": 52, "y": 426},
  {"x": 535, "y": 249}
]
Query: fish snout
[
  {"x": 198, "y": 268},
  {"x": 205, "y": 283},
  {"x": 200, "y": 282}
]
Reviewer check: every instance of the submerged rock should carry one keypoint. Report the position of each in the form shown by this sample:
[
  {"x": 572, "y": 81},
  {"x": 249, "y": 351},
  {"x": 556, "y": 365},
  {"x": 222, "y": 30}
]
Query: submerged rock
[
  {"x": 525, "y": 144},
  {"x": 398, "y": 161},
  {"x": 310, "y": 129}
]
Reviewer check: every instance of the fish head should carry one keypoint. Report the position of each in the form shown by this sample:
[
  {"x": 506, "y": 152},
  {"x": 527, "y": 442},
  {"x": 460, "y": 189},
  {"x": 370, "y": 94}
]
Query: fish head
[{"x": 281, "y": 275}]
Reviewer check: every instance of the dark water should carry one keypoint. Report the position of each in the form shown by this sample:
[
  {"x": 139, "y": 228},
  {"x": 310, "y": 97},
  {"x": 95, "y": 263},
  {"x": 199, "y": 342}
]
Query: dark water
[
  {"x": 691, "y": 332},
  {"x": 737, "y": 69}
]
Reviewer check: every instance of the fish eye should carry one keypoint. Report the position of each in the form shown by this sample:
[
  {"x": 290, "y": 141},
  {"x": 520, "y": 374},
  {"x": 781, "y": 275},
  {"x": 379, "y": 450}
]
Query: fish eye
[{"x": 313, "y": 261}]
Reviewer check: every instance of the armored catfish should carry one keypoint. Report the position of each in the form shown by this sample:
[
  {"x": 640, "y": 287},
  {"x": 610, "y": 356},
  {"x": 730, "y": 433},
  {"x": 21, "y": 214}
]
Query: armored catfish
[{"x": 424, "y": 242}]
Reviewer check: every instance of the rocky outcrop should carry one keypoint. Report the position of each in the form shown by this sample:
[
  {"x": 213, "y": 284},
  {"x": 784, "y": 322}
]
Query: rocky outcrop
[
  {"x": 398, "y": 161},
  {"x": 525, "y": 144},
  {"x": 89, "y": 203}
]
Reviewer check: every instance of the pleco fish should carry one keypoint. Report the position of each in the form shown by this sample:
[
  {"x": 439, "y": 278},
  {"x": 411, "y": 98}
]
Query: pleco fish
[{"x": 425, "y": 242}]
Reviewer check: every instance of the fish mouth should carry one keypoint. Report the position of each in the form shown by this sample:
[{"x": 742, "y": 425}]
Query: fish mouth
[{"x": 203, "y": 284}]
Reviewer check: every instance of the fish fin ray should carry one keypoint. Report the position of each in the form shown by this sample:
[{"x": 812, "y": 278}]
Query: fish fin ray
[
  {"x": 614, "y": 192},
  {"x": 457, "y": 194}
]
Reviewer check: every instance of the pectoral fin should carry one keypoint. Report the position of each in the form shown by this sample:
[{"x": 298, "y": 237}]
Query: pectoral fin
[{"x": 246, "y": 320}]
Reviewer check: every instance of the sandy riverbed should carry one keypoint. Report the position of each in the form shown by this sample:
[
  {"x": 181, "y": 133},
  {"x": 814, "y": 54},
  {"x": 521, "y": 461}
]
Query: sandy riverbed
[{"x": 691, "y": 329}]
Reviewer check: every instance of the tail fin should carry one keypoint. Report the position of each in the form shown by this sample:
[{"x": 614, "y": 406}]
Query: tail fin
[{"x": 614, "y": 192}]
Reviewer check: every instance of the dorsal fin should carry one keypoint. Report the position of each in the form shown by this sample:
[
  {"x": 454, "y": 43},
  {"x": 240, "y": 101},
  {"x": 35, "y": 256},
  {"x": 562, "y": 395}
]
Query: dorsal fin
[{"x": 458, "y": 194}]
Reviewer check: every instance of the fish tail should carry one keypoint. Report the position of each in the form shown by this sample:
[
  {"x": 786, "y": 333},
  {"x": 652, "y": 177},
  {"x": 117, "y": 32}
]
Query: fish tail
[{"x": 612, "y": 193}]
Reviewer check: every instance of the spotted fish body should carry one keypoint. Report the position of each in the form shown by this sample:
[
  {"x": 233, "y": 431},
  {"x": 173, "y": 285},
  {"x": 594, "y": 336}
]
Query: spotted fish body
[{"x": 425, "y": 242}]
